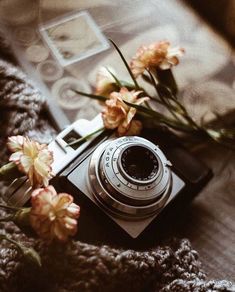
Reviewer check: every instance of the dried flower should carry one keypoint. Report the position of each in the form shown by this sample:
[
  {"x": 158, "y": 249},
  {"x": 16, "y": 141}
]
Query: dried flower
[
  {"x": 159, "y": 54},
  {"x": 53, "y": 216},
  {"x": 105, "y": 83},
  {"x": 134, "y": 129},
  {"x": 155, "y": 58},
  {"x": 32, "y": 158},
  {"x": 119, "y": 115},
  {"x": 15, "y": 143}
]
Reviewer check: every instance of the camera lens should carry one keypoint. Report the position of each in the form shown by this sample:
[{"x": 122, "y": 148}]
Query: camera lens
[
  {"x": 139, "y": 163},
  {"x": 130, "y": 177}
]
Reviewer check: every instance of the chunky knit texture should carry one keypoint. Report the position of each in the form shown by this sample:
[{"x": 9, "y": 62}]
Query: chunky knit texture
[{"x": 79, "y": 266}]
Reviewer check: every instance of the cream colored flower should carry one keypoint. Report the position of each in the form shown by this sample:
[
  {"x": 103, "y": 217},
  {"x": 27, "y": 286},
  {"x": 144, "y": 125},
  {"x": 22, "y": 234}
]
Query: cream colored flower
[
  {"x": 105, "y": 83},
  {"x": 159, "y": 54},
  {"x": 15, "y": 143},
  {"x": 32, "y": 158},
  {"x": 119, "y": 115},
  {"x": 53, "y": 216}
]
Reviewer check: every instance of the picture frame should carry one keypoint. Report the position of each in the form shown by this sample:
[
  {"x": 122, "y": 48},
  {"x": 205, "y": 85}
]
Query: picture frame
[{"x": 67, "y": 43}]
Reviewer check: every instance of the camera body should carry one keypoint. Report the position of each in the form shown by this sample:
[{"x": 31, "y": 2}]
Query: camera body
[
  {"x": 130, "y": 179},
  {"x": 130, "y": 202}
]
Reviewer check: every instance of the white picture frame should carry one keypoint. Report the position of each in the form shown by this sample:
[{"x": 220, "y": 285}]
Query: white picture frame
[{"x": 68, "y": 43}]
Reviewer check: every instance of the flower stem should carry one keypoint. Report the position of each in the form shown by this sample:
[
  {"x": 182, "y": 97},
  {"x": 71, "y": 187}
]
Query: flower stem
[
  {"x": 29, "y": 253},
  {"x": 11, "y": 208},
  {"x": 93, "y": 96},
  {"x": 163, "y": 90},
  {"x": 85, "y": 137},
  {"x": 118, "y": 82},
  {"x": 7, "y": 219},
  {"x": 5, "y": 237},
  {"x": 155, "y": 85},
  {"x": 164, "y": 101},
  {"x": 161, "y": 118}
]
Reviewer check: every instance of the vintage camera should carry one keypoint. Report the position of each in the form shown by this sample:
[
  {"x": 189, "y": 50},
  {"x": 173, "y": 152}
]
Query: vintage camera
[{"x": 130, "y": 179}]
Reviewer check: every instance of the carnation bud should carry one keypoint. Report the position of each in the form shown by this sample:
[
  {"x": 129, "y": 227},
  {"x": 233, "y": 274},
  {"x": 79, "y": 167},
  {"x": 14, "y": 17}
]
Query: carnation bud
[
  {"x": 31, "y": 255},
  {"x": 21, "y": 217},
  {"x": 9, "y": 171}
]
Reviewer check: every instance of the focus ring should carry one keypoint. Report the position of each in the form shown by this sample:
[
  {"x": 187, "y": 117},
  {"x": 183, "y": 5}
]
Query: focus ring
[{"x": 118, "y": 195}]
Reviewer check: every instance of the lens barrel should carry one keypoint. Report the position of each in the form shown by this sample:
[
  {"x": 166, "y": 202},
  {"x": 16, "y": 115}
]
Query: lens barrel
[{"x": 130, "y": 177}]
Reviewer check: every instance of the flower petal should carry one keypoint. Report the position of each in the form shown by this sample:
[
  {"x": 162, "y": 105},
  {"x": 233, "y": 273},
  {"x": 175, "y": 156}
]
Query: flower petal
[
  {"x": 53, "y": 216},
  {"x": 156, "y": 55},
  {"x": 15, "y": 157},
  {"x": 15, "y": 143},
  {"x": 33, "y": 159}
]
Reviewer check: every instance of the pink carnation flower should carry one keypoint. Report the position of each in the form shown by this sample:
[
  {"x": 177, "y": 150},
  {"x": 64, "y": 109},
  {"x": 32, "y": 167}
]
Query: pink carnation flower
[
  {"x": 53, "y": 216},
  {"x": 117, "y": 114},
  {"x": 156, "y": 55}
]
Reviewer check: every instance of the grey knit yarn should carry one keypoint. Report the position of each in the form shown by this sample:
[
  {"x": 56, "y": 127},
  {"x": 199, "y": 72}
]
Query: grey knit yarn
[
  {"x": 19, "y": 103},
  {"x": 21, "y": 106},
  {"x": 79, "y": 266}
]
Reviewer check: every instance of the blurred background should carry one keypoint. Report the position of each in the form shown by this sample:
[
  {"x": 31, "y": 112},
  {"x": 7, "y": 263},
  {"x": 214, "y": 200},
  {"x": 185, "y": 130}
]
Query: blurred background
[
  {"x": 205, "y": 75},
  {"x": 201, "y": 27},
  {"x": 220, "y": 14}
]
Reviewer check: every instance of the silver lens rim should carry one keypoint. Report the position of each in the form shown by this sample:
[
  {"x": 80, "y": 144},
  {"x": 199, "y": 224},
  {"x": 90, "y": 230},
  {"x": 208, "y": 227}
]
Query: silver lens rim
[{"x": 107, "y": 198}]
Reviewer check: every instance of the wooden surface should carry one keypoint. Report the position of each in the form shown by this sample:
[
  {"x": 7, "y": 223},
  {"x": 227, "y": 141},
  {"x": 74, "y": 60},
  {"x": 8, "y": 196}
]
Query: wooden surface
[{"x": 206, "y": 79}]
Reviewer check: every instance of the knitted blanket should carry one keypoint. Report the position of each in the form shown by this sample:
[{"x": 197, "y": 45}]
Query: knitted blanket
[{"x": 79, "y": 266}]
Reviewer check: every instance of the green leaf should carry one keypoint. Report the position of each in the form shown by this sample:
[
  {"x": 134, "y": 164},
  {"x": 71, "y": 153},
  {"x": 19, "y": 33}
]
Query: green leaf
[
  {"x": 114, "y": 77},
  {"x": 10, "y": 208},
  {"x": 125, "y": 63},
  {"x": 147, "y": 78},
  {"x": 78, "y": 141},
  {"x": 145, "y": 110},
  {"x": 127, "y": 84},
  {"x": 177, "y": 125},
  {"x": 93, "y": 96},
  {"x": 29, "y": 253}
]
